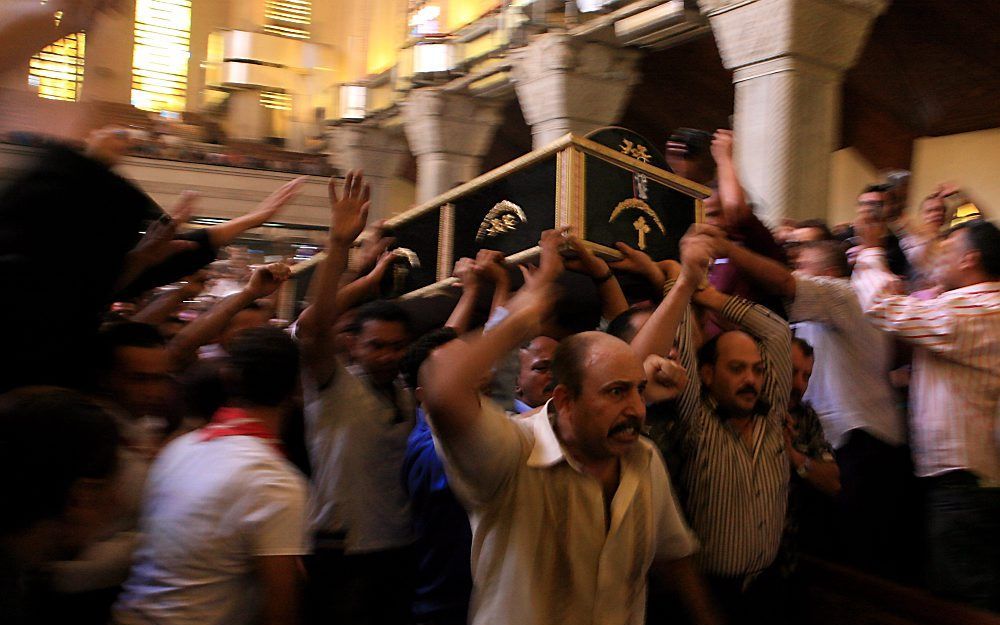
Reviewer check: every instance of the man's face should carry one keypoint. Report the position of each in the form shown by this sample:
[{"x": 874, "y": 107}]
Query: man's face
[
  {"x": 141, "y": 381},
  {"x": 379, "y": 347},
  {"x": 871, "y": 204},
  {"x": 534, "y": 377},
  {"x": 606, "y": 419},
  {"x": 811, "y": 262},
  {"x": 802, "y": 368},
  {"x": 950, "y": 272},
  {"x": 736, "y": 378}
]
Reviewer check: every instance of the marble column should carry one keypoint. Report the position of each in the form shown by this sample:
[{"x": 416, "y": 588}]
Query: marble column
[
  {"x": 565, "y": 85},
  {"x": 378, "y": 152},
  {"x": 788, "y": 59},
  {"x": 449, "y": 134}
]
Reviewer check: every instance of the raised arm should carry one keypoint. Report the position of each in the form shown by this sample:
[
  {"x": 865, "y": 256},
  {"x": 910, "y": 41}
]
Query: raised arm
[
  {"x": 638, "y": 262},
  {"x": 165, "y": 304},
  {"x": 613, "y": 302},
  {"x": 730, "y": 190},
  {"x": 348, "y": 215},
  {"x": 263, "y": 282},
  {"x": 467, "y": 272},
  {"x": 223, "y": 234}
]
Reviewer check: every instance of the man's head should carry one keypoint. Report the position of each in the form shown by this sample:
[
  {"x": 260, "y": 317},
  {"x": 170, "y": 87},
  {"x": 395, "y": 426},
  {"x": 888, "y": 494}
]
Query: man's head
[
  {"x": 802, "y": 368},
  {"x": 970, "y": 254},
  {"x": 255, "y": 315},
  {"x": 382, "y": 338},
  {"x": 60, "y": 451},
  {"x": 732, "y": 372},
  {"x": 533, "y": 384},
  {"x": 261, "y": 368},
  {"x": 418, "y": 352},
  {"x": 135, "y": 369},
  {"x": 598, "y": 389},
  {"x": 626, "y": 325},
  {"x": 822, "y": 258},
  {"x": 872, "y": 201}
]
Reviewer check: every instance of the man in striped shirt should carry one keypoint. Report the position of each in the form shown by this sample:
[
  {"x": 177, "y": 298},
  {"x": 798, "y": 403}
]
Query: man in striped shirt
[
  {"x": 954, "y": 399},
  {"x": 734, "y": 473}
]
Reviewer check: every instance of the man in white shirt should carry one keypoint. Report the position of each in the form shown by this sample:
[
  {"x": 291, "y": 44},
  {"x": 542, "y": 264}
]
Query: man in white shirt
[
  {"x": 570, "y": 507},
  {"x": 223, "y": 521},
  {"x": 954, "y": 399}
]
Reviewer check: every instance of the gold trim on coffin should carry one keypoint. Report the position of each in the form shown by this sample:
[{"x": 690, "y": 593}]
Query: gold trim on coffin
[{"x": 446, "y": 241}]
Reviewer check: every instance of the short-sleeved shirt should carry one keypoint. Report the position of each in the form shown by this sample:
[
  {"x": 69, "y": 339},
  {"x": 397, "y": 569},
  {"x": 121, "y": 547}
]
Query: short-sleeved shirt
[
  {"x": 541, "y": 553},
  {"x": 211, "y": 508}
]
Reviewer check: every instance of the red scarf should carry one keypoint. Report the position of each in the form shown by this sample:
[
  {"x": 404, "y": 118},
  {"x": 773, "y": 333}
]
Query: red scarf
[{"x": 238, "y": 422}]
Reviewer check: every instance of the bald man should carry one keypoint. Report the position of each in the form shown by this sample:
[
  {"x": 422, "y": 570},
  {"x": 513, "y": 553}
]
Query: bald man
[{"x": 570, "y": 507}]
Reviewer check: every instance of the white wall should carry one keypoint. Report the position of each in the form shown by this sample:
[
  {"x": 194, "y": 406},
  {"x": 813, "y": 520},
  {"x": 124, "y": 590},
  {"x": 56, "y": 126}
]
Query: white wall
[{"x": 972, "y": 160}]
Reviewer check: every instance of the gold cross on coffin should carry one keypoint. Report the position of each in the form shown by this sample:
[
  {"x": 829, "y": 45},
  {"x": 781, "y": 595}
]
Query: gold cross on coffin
[{"x": 642, "y": 228}]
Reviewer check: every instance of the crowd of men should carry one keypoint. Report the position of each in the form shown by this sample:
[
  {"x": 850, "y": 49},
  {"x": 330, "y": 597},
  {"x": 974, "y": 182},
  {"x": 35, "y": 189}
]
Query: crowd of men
[{"x": 767, "y": 394}]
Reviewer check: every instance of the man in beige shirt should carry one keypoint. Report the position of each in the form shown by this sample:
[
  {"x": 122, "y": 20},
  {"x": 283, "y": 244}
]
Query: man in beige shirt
[{"x": 570, "y": 508}]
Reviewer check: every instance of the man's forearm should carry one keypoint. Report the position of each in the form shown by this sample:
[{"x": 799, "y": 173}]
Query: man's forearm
[
  {"x": 322, "y": 314},
  {"x": 682, "y": 579},
  {"x": 771, "y": 274},
  {"x": 657, "y": 335},
  {"x": 461, "y": 316},
  {"x": 209, "y": 325}
]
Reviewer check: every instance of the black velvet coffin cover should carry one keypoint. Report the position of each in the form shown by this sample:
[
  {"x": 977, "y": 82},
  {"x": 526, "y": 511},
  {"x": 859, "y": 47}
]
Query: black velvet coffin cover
[{"x": 607, "y": 194}]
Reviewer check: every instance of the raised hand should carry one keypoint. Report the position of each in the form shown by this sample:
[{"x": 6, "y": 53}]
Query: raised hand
[
  {"x": 665, "y": 378},
  {"x": 349, "y": 212},
  {"x": 697, "y": 253},
  {"x": 638, "y": 262},
  {"x": 722, "y": 146},
  {"x": 550, "y": 263},
  {"x": 373, "y": 246},
  {"x": 266, "y": 279},
  {"x": 467, "y": 272},
  {"x": 492, "y": 266},
  {"x": 277, "y": 200},
  {"x": 586, "y": 262}
]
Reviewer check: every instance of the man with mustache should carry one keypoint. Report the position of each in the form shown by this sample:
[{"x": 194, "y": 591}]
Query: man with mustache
[
  {"x": 729, "y": 431},
  {"x": 570, "y": 508}
]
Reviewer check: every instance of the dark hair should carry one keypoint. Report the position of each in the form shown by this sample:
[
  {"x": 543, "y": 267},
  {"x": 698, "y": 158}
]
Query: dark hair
[
  {"x": 834, "y": 255},
  {"x": 420, "y": 350},
  {"x": 881, "y": 187},
  {"x": 49, "y": 438},
  {"x": 383, "y": 310},
  {"x": 262, "y": 367},
  {"x": 984, "y": 237},
  {"x": 567, "y": 362},
  {"x": 203, "y": 389},
  {"x": 621, "y": 326},
  {"x": 708, "y": 353},
  {"x": 124, "y": 334},
  {"x": 817, "y": 224},
  {"x": 807, "y": 349}
]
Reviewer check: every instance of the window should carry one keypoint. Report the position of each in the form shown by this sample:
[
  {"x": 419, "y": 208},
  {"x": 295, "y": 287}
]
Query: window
[
  {"x": 161, "y": 53},
  {"x": 424, "y": 18},
  {"x": 288, "y": 18},
  {"x": 57, "y": 70}
]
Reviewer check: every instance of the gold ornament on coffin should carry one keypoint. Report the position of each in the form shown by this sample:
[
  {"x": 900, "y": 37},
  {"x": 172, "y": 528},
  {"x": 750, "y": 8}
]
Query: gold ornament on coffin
[
  {"x": 505, "y": 217},
  {"x": 641, "y": 225}
]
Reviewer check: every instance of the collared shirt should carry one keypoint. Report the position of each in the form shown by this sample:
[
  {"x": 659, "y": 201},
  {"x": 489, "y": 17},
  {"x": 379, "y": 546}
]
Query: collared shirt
[
  {"x": 849, "y": 387},
  {"x": 955, "y": 389},
  {"x": 520, "y": 407},
  {"x": 734, "y": 494},
  {"x": 541, "y": 553},
  {"x": 356, "y": 437}
]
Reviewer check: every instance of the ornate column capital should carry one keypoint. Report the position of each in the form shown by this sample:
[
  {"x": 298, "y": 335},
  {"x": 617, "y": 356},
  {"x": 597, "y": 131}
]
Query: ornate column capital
[
  {"x": 567, "y": 85},
  {"x": 436, "y": 121},
  {"x": 377, "y": 151},
  {"x": 828, "y": 33}
]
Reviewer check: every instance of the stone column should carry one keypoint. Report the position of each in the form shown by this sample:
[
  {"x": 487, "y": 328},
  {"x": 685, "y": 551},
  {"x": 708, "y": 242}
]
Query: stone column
[
  {"x": 788, "y": 59},
  {"x": 449, "y": 134},
  {"x": 566, "y": 85},
  {"x": 245, "y": 117},
  {"x": 376, "y": 151}
]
